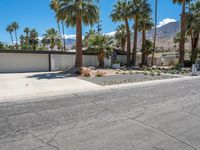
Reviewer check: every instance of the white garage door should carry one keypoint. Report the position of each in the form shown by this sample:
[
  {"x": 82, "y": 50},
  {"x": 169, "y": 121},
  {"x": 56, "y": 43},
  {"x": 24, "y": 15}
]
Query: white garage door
[{"x": 21, "y": 62}]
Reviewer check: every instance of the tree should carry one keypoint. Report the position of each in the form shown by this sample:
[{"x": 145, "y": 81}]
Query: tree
[
  {"x": 122, "y": 12},
  {"x": 52, "y": 37},
  {"x": 27, "y": 31},
  {"x": 155, "y": 32},
  {"x": 55, "y": 7},
  {"x": 193, "y": 28},
  {"x": 1, "y": 45},
  {"x": 15, "y": 26},
  {"x": 10, "y": 30},
  {"x": 34, "y": 39},
  {"x": 78, "y": 12},
  {"x": 136, "y": 12},
  {"x": 183, "y": 30},
  {"x": 102, "y": 46},
  {"x": 145, "y": 23},
  {"x": 120, "y": 35},
  {"x": 88, "y": 35}
]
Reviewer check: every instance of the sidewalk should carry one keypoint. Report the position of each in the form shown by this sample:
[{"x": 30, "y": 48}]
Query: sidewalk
[{"x": 20, "y": 86}]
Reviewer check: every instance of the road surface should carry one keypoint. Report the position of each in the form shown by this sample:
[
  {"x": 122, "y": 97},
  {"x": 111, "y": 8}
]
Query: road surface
[{"x": 165, "y": 116}]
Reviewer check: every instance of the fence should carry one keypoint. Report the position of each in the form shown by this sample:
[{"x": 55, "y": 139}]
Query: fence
[{"x": 38, "y": 61}]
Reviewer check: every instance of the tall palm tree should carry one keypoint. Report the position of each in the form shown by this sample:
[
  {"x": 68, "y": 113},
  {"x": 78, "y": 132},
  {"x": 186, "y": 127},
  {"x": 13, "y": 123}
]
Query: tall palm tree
[
  {"x": 27, "y": 31},
  {"x": 155, "y": 32},
  {"x": 10, "y": 30},
  {"x": 136, "y": 12},
  {"x": 193, "y": 28},
  {"x": 120, "y": 35},
  {"x": 145, "y": 24},
  {"x": 55, "y": 7},
  {"x": 122, "y": 12},
  {"x": 52, "y": 38},
  {"x": 34, "y": 39},
  {"x": 15, "y": 26},
  {"x": 76, "y": 13},
  {"x": 183, "y": 30}
]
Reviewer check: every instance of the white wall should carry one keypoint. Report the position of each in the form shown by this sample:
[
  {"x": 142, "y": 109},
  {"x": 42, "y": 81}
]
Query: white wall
[
  {"x": 21, "y": 62},
  {"x": 62, "y": 62}
]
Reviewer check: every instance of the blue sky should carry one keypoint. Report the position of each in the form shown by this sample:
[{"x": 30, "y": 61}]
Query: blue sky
[{"x": 37, "y": 14}]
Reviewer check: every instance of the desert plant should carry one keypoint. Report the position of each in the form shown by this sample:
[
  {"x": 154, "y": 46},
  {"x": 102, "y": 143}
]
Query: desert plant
[
  {"x": 100, "y": 74},
  {"x": 85, "y": 72}
]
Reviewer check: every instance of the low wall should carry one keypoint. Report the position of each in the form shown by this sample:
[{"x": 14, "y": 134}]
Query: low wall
[
  {"x": 22, "y": 62},
  {"x": 42, "y": 61},
  {"x": 36, "y": 61}
]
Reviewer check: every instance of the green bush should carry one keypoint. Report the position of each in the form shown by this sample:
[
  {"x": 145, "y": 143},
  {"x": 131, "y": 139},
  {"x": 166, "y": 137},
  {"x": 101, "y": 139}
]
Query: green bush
[{"x": 188, "y": 63}]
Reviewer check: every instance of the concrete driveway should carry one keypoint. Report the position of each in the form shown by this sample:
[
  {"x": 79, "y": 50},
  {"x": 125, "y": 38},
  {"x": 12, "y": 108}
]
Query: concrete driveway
[
  {"x": 19, "y": 86},
  {"x": 164, "y": 116}
]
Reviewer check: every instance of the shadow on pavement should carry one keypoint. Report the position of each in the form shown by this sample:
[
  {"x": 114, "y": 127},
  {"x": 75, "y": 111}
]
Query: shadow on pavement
[{"x": 57, "y": 75}]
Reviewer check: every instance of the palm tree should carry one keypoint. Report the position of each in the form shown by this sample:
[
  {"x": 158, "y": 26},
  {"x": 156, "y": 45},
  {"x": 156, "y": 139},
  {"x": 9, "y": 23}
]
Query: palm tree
[
  {"x": 120, "y": 35},
  {"x": 102, "y": 45},
  {"x": 121, "y": 12},
  {"x": 34, "y": 39},
  {"x": 10, "y": 30},
  {"x": 193, "y": 28},
  {"x": 145, "y": 23},
  {"x": 15, "y": 26},
  {"x": 52, "y": 37},
  {"x": 27, "y": 31},
  {"x": 136, "y": 12},
  {"x": 183, "y": 30},
  {"x": 155, "y": 32},
  {"x": 88, "y": 35},
  {"x": 78, "y": 12}
]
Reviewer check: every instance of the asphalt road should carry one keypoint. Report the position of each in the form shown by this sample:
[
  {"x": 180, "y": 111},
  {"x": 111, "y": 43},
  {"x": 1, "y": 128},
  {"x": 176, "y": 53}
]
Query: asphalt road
[{"x": 157, "y": 117}]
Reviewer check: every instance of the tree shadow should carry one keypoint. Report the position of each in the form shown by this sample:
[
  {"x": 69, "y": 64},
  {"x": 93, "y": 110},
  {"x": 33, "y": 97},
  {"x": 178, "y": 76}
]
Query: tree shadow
[{"x": 57, "y": 75}]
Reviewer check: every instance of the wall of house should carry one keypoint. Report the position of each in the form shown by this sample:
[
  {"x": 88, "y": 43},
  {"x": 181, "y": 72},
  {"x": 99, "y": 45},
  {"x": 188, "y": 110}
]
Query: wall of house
[
  {"x": 27, "y": 61},
  {"x": 21, "y": 62},
  {"x": 40, "y": 62}
]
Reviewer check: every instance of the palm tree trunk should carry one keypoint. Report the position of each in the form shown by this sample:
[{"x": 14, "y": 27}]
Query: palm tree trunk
[
  {"x": 123, "y": 44},
  {"x": 128, "y": 42},
  {"x": 16, "y": 39},
  {"x": 59, "y": 31},
  {"x": 63, "y": 32},
  {"x": 11, "y": 38},
  {"x": 143, "y": 46},
  {"x": 79, "y": 52},
  {"x": 101, "y": 60},
  {"x": 155, "y": 32},
  {"x": 183, "y": 30},
  {"x": 134, "y": 55},
  {"x": 195, "y": 41}
]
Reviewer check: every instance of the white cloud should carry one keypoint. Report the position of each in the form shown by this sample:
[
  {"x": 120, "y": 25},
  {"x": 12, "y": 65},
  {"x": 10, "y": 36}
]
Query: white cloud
[
  {"x": 165, "y": 21},
  {"x": 70, "y": 36},
  {"x": 111, "y": 33}
]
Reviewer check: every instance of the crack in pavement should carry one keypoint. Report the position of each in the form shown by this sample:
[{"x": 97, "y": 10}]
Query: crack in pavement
[{"x": 47, "y": 143}]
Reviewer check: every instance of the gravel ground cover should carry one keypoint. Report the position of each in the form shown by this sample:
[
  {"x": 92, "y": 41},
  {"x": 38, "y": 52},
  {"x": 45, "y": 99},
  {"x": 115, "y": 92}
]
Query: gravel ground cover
[{"x": 122, "y": 79}]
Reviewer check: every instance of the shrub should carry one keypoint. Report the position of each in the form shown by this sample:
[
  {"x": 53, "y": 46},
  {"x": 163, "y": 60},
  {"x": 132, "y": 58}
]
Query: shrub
[
  {"x": 116, "y": 62},
  {"x": 85, "y": 72},
  {"x": 152, "y": 73},
  {"x": 188, "y": 63},
  {"x": 100, "y": 74},
  {"x": 145, "y": 73},
  {"x": 158, "y": 73}
]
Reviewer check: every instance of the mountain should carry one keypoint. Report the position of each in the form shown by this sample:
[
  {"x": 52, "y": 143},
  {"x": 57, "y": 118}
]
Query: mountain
[{"x": 165, "y": 36}]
